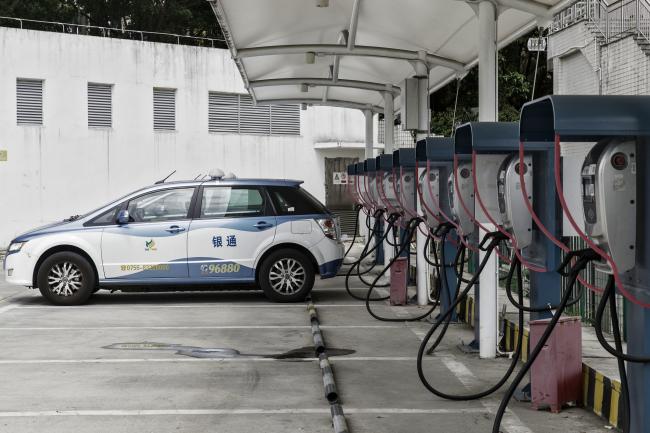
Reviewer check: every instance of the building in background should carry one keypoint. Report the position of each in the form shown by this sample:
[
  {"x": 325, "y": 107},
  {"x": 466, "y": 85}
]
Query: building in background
[{"x": 85, "y": 119}]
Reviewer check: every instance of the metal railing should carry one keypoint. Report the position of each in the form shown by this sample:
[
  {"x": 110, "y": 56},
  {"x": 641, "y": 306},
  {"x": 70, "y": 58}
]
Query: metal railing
[
  {"x": 610, "y": 21},
  {"x": 110, "y": 32},
  {"x": 401, "y": 138}
]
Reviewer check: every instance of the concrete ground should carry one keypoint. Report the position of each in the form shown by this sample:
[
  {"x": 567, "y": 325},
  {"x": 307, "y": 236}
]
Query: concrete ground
[{"x": 86, "y": 369}]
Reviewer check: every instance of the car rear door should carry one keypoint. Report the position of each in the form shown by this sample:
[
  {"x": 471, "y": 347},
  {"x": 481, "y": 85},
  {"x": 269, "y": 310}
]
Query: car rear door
[
  {"x": 231, "y": 226},
  {"x": 153, "y": 244}
]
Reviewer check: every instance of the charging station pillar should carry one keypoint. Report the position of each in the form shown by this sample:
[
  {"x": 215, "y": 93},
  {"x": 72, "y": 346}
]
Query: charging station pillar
[
  {"x": 637, "y": 318},
  {"x": 389, "y": 136}
]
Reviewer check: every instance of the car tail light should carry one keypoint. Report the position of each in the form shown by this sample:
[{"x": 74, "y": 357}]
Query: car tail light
[{"x": 329, "y": 227}]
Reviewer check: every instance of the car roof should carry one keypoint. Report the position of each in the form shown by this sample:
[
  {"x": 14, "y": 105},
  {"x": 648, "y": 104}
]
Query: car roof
[{"x": 231, "y": 182}]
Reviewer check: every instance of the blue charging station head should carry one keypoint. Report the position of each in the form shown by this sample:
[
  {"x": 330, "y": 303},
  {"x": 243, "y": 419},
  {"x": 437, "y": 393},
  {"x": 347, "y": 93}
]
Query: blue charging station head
[
  {"x": 360, "y": 168},
  {"x": 370, "y": 165},
  {"x": 404, "y": 158},
  {"x": 439, "y": 149},
  {"x": 486, "y": 137},
  {"x": 385, "y": 162},
  {"x": 352, "y": 169},
  {"x": 583, "y": 118}
]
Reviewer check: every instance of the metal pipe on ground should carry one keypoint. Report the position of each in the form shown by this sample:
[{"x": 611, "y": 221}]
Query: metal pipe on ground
[
  {"x": 331, "y": 393},
  {"x": 338, "y": 419}
]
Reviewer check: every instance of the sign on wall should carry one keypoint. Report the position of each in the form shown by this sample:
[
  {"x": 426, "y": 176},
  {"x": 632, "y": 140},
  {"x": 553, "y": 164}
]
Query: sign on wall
[
  {"x": 3, "y": 155},
  {"x": 340, "y": 178}
]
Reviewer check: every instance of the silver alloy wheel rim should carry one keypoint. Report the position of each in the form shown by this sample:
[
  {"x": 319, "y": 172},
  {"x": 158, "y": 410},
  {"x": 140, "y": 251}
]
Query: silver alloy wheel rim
[
  {"x": 65, "y": 279},
  {"x": 287, "y": 276}
]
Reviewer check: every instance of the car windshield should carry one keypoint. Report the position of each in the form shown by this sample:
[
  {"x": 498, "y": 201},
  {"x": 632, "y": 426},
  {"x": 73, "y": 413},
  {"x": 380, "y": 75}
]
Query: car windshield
[{"x": 106, "y": 206}]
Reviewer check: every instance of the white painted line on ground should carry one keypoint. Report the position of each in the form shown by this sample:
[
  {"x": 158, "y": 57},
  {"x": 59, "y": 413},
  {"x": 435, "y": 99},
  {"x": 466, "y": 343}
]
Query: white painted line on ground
[
  {"x": 216, "y": 327},
  {"x": 8, "y": 307},
  {"x": 182, "y": 359},
  {"x": 511, "y": 422},
  {"x": 146, "y": 360},
  {"x": 196, "y": 412},
  {"x": 201, "y": 305}
]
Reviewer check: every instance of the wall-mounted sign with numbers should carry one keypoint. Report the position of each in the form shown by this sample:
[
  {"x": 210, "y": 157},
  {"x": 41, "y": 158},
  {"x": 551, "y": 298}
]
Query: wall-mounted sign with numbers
[{"x": 3, "y": 155}]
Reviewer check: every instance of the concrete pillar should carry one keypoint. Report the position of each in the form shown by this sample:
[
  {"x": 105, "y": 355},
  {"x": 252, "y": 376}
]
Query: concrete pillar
[{"x": 488, "y": 112}]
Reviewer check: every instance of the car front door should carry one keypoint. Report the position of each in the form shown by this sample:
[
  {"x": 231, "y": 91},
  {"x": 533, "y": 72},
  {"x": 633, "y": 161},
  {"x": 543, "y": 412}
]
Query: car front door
[
  {"x": 153, "y": 244},
  {"x": 232, "y": 225}
]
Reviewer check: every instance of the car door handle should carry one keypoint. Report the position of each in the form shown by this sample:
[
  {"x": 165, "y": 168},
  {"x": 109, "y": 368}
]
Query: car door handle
[
  {"x": 263, "y": 225},
  {"x": 175, "y": 229}
]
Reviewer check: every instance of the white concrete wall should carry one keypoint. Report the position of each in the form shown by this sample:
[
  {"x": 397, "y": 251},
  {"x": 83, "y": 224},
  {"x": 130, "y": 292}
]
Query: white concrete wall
[{"x": 63, "y": 167}]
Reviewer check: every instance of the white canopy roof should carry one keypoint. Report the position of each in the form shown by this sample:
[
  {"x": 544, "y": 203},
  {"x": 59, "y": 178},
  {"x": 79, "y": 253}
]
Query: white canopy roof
[{"x": 290, "y": 50}]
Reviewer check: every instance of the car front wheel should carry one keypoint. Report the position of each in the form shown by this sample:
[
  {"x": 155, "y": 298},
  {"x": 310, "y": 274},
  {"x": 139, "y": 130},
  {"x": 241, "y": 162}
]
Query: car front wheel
[
  {"x": 286, "y": 276},
  {"x": 66, "y": 278}
]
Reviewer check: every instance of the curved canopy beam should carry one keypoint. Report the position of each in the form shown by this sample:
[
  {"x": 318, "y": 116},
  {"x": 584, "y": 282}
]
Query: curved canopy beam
[
  {"x": 359, "y": 50},
  {"x": 326, "y": 82},
  {"x": 329, "y": 102}
]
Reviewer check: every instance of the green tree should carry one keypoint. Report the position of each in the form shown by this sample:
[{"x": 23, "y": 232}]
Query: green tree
[
  {"x": 516, "y": 76},
  {"x": 184, "y": 17}
]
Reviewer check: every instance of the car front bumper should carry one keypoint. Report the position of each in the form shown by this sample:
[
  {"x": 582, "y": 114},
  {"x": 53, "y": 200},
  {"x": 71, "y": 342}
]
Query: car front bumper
[{"x": 18, "y": 269}]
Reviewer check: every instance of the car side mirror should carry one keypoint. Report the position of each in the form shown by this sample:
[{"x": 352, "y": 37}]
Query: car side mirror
[{"x": 123, "y": 217}]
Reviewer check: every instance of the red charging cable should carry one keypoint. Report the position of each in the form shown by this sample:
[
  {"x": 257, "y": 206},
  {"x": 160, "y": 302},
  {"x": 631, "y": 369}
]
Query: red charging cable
[
  {"x": 511, "y": 237},
  {"x": 541, "y": 226},
  {"x": 592, "y": 245},
  {"x": 446, "y": 217},
  {"x": 470, "y": 214}
]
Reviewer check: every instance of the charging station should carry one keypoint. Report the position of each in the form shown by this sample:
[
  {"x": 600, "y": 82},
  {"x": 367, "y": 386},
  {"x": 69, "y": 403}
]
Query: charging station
[
  {"x": 486, "y": 145},
  {"x": 370, "y": 168},
  {"x": 435, "y": 156},
  {"x": 615, "y": 199}
]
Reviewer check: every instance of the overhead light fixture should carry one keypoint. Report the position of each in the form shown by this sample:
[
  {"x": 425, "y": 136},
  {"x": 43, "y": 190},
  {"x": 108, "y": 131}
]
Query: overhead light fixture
[
  {"x": 322, "y": 3},
  {"x": 304, "y": 88},
  {"x": 310, "y": 57}
]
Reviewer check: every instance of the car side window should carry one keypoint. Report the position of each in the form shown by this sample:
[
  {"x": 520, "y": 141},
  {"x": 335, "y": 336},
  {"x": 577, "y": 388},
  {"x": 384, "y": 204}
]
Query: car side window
[
  {"x": 295, "y": 201},
  {"x": 230, "y": 202},
  {"x": 106, "y": 217},
  {"x": 164, "y": 205}
]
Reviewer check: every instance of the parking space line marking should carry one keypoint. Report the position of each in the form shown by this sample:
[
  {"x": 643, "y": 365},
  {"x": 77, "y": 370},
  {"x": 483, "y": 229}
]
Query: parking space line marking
[
  {"x": 202, "y": 305},
  {"x": 180, "y": 359},
  {"x": 88, "y": 328},
  {"x": 511, "y": 422},
  {"x": 195, "y": 412},
  {"x": 8, "y": 307}
]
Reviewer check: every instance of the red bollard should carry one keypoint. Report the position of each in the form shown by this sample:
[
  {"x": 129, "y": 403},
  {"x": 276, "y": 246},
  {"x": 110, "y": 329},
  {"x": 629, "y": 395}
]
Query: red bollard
[
  {"x": 399, "y": 281},
  {"x": 556, "y": 374}
]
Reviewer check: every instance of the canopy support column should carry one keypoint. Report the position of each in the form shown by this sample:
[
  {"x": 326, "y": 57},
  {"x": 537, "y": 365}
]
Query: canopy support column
[
  {"x": 487, "y": 316},
  {"x": 369, "y": 133},
  {"x": 421, "y": 266},
  {"x": 389, "y": 144}
]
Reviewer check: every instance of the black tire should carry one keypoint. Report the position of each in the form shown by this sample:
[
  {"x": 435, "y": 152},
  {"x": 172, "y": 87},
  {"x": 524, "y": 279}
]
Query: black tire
[
  {"x": 73, "y": 271},
  {"x": 295, "y": 285}
]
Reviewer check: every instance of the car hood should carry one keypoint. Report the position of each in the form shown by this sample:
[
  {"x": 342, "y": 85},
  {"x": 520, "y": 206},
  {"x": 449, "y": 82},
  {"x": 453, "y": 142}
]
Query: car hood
[{"x": 48, "y": 228}]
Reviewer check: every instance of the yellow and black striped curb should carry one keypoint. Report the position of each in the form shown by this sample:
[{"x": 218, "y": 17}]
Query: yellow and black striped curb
[
  {"x": 600, "y": 393},
  {"x": 465, "y": 310}
]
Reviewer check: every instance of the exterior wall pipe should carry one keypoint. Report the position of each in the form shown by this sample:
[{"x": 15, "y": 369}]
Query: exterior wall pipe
[{"x": 487, "y": 73}]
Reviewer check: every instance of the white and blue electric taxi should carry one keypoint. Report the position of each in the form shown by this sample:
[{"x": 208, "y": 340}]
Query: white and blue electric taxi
[{"x": 233, "y": 233}]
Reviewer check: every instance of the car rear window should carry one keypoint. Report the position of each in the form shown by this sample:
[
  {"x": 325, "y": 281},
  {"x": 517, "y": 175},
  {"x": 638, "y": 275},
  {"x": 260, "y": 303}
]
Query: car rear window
[{"x": 294, "y": 201}]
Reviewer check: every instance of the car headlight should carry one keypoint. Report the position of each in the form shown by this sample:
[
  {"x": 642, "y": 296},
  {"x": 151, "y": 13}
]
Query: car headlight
[{"x": 15, "y": 247}]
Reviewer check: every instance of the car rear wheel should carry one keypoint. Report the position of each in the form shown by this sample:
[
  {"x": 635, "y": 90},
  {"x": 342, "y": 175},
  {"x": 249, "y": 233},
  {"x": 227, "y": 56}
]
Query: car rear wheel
[
  {"x": 286, "y": 276},
  {"x": 66, "y": 278}
]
